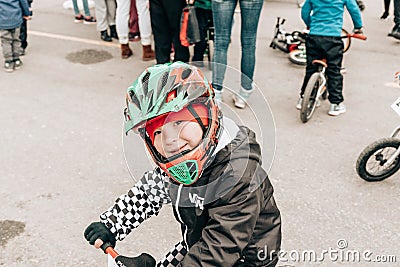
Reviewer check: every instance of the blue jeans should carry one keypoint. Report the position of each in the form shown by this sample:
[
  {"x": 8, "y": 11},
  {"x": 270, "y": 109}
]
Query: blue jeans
[
  {"x": 223, "y": 11},
  {"x": 85, "y": 7}
]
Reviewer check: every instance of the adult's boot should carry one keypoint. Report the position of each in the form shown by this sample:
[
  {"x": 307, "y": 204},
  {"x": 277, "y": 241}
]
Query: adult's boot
[
  {"x": 105, "y": 37},
  {"x": 113, "y": 32},
  {"x": 126, "y": 51},
  {"x": 148, "y": 53}
]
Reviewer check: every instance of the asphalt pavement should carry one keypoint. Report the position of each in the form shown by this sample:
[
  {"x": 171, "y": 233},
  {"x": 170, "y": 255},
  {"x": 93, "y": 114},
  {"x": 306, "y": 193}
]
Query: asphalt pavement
[{"x": 62, "y": 160}]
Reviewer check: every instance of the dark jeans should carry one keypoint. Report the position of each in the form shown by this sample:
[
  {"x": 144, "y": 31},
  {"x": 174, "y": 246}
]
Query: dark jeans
[
  {"x": 223, "y": 11},
  {"x": 330, "y": 48},
  {"x": 396, "y": 12},
  {"x": 204, "y": 18},
  {"x": 23, "y": 35},
  {"x": 165, "y": 18}
]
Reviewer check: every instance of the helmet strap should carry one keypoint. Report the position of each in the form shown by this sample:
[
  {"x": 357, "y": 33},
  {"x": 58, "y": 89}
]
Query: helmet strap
[{"x": 197, "y": 117}]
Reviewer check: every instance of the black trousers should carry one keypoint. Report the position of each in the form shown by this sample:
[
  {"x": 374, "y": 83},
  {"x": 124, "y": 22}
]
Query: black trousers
[
  {"x": 330, "y": 48},
  {"x": 165, "y": 16},
  {"x": 204, "y": 18}
]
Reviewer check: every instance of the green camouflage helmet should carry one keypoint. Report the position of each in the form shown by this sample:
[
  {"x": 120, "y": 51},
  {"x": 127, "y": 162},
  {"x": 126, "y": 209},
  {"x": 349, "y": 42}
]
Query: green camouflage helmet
[{"x": 161, "y": 89}]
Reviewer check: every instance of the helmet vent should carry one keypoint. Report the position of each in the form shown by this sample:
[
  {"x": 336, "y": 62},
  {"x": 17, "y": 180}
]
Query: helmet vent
[
  {"x": 186, "y": 73},
  {"x": 185, "y": 172},
  {"x": 145, "y": 82},
  {"x": 134, "y": 98},
  {"x": 164, "y": 80}
]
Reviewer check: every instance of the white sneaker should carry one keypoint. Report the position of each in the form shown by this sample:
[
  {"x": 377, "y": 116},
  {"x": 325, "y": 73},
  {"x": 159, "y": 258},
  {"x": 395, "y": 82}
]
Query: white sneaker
[
  {"x": 241, "y": 98},
  {"x": 218, "y": 98},
  {"x": 300, "y": 102},
  {"x": 238, "y": 101},
  {"x": 337, "y": 109}
]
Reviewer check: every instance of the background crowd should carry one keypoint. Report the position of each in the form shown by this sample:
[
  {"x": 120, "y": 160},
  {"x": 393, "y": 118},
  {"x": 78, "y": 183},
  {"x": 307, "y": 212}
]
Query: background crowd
[{"x": 134, "y": 20}]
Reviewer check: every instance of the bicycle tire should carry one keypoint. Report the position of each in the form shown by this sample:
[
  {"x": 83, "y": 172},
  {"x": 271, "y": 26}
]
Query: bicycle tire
[
  {"x": 309, "y": 98},
  {"x": 298, "y": 57},
  {"x": 376, "y": 149},
  {"x": 346, "y": 40}
]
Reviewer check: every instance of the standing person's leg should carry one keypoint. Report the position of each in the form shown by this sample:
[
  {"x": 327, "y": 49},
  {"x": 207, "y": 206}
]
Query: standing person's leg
[
  {"x": 250, "y": 12},
  {"x": 142, "y": 7},
  {"x": 174, "y": 13},
  {"x": 86, "y": 8},
  {"x": 16, "y": 48},
  {"x": 334, "y": 57},
  {"x": 203, "y": 16},
  {"x": 134, "y": 31},
  {"x": 396, "y": 29},
  {"x": 23, "y": 36},
  {"x": 162, "y": 34},
  {"x": 386, "y": 4},
  {"x": 102, "y": 25},
  {"x": 88, "y": 18},
  {"x": 76, "y": 7},
  {"x": 313, "y": 52},
  {"x": 122, "y": 20},
  {"x": 223, "y": 18},
  {"x": 111, "y": 13},
  {"x": 6, "y": 45}
]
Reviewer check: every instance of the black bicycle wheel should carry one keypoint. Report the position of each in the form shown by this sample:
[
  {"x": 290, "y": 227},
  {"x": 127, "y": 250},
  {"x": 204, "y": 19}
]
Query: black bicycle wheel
[
  {"x": 298, "y": 56},
  {"x": 371, "y": 160},
  {"x": 310, "y": 97}
]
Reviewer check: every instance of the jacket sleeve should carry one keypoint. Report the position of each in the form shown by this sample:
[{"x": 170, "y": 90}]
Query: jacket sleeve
[
  {"x": 355, "y": 13},
  {"x": 306, "y": 13},
  {"x": 25, "y": 7},
  {"x": 143, "y": 200},
  {"x": 229, "y": 230}
]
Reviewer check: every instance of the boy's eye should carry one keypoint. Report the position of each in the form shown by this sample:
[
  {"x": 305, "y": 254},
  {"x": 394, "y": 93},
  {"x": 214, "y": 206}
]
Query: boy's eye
[
  {"x": 176, "y": 123},
  {"x": 157, "y": 132}
]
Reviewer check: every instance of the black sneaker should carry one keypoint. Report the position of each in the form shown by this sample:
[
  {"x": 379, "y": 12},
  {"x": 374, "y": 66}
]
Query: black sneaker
[
  {"x": 79, "y": 18},
  {"x": 89, "y": 20},
  {"x": 385, "y": 15},
  {"x": 17, "y": 64},
  {"x": 9, "y": 66},
  {"x": 395, "y": 31}
]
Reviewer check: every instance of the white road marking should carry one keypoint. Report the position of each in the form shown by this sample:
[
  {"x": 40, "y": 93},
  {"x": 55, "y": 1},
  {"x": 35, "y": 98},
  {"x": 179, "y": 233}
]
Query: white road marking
[{"x": 71, "y": 38}]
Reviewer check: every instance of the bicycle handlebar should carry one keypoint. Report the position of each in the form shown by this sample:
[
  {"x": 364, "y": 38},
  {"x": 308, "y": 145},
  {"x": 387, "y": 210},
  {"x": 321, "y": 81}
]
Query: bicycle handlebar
[
  {"x": 358, "y": 36},
  {"x": 108, "y": 249},
  {"x": 142, "y": 260}
]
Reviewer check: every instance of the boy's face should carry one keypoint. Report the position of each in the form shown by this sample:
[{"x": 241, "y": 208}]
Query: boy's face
[{"x": 177, "y": 136}]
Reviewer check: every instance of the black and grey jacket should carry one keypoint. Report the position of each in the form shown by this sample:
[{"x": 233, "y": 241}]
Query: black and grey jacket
[{"x": 227, "y": 217}]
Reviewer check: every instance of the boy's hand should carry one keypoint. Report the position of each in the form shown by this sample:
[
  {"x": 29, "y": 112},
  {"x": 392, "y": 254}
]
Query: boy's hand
[
  {"x": 27, "y": 17},
  {"x": 98, "y": 230},
  {"x": 359, "y": 31}
]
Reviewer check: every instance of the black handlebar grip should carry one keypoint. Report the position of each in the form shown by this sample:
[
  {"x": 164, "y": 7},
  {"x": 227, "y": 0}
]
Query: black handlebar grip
[{"x": 105, "y": 246}]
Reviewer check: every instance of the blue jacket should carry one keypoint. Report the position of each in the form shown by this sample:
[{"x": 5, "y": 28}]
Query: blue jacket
[
  {"x": 11, "y": 12},
  {"x": 325, "y": 17}
]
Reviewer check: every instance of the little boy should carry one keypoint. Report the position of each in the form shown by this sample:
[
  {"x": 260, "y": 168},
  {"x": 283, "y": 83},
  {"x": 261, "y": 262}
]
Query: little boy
[
  {"x": 324, "y": 18},
  {"x": 208, "y": 168},
  {"x": 11, "y": 14}
]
